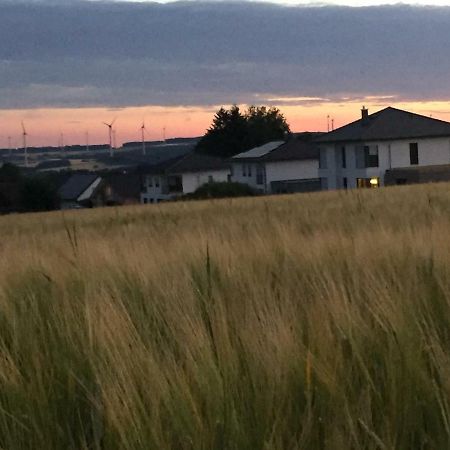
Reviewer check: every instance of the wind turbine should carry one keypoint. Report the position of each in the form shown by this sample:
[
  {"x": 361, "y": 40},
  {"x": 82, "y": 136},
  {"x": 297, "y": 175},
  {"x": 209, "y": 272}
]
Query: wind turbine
[
  {"x": 143, "y": 137},
  {"x": 110, "y": 126},
  {"x": 25, "y": 149},
  {"x": 9, "y": 146},
  {"x": 114, "y": 140}
]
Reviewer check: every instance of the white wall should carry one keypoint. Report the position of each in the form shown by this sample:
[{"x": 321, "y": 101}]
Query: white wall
[
  {"x": 394, "y": 154},
  {"x": 192, "y": 181},
  {"x": 153, "y": 193},
  {"x": 238, "y": 174},
  {"x": 86, "y": 195},
  {"x": 275, "y": 171},
  {"x": 291, "y": 170}
]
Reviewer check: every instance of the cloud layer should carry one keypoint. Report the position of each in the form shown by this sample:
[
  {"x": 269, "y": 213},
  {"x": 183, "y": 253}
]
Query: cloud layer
[{"x": 76, "y": 53}]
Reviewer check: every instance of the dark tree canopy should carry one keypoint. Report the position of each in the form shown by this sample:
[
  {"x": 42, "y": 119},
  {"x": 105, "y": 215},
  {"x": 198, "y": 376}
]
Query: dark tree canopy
[{"x": 233, "y": 132}]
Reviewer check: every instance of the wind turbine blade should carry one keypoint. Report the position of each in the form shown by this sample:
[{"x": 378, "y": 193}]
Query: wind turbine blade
[
  {"x": 107, "y": 124},
  {"x": 23, "y": 128},
  {"x": 112, "y": 123}
]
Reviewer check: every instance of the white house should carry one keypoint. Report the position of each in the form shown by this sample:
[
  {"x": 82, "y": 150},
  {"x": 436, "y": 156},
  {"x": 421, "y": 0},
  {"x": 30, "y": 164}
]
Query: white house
[
  {"x": 180, "y": 176},
  {"x": 279, "y": 166},
  {"x": 375, "y": 148}
]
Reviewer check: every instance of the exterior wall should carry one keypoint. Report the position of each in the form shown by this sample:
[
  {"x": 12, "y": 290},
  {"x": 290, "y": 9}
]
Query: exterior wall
[
  {"x": 273, "y": 172},
  {"x": 151, "y": 193},
  {"x": 86, "y": 195},
  {"x": 394, "y": 154},
  {"x": 155, "y": 189},
  {"x": 250, "y": 176},
  {"x": 192, "y": 181},
  {"x": 291, "y": 170}
]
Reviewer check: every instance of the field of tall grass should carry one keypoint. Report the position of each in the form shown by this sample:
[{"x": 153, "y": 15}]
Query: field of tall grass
[{"x": 315, "y": 321}]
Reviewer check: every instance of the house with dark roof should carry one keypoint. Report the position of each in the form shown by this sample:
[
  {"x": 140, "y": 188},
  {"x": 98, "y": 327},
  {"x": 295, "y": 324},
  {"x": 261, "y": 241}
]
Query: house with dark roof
[
  {"x": 360, "y": 154},
  {"x": 181, "y": 175},
  {"x": 280, "y": 167},
  {"x": 78, "y": 191}
]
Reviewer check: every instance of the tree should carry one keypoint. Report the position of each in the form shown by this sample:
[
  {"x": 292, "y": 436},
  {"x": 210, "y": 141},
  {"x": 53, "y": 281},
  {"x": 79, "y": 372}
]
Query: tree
[
  {"x": 233, "y": 132},
  {"x": 39, "y": 194}
]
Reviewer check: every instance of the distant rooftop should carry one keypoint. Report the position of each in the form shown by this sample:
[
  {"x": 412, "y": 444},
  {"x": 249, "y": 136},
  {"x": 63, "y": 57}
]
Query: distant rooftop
[
  {"x": 300, "y": 147},
  {"x": 76, "y": 185},
  {"x": 262, "y": 150},
  {"x": 388, "y": 124}
]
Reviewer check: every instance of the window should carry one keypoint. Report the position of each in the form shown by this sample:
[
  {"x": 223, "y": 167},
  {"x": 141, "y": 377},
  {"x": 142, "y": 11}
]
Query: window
[
  {"x": 344, "y": 158},
  {"x": 145, "y": 200},
  {"x": 249, "y": 170},
  {"x": 344, "y": 182},
  {"x": 373, "y": 182},
  {"x": 156, "y": 181},
  {"x": 210, "y": 179},
  {"x": 259, "y": 174},
  {"x": 150, "y": 181},
  {"x": 371, "y": 155},
  {"x": 244, "y": 170},
  {"x": 414, "y": 153}
]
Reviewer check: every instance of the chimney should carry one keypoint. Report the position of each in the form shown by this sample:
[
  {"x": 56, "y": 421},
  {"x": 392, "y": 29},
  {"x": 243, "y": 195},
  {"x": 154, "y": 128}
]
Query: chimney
[{"x": 364, "y": 114}]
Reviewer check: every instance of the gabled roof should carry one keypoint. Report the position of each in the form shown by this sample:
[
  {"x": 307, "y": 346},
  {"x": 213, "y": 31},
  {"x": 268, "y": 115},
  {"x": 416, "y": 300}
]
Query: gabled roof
[
  {"x": 262, "y": 150},
  {"x": 159, "y": 168},
  {"x": 192, "y": 162},
  {"x": 196, "y": 162},
  {"x": 293, "y": 150},
  {"x": 76, "y": 185},
  {"x": 298, "y": 148},
  {"x": 388, "y": 124}
]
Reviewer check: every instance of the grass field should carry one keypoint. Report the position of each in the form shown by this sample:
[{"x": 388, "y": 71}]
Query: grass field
[{"x": 300, "y": 322}]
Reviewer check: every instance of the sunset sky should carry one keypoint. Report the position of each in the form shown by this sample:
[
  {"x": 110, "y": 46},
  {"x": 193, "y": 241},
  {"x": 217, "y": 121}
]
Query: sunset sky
[{"x": 66, "y": 66}]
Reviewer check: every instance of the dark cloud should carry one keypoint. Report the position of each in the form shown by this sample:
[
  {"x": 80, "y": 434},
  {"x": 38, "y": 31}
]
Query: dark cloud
[{"x": 75, "y": 53}]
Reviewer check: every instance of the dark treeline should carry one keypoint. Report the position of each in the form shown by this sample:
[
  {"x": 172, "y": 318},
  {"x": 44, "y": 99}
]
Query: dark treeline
[{"x": 24, "y": 193}]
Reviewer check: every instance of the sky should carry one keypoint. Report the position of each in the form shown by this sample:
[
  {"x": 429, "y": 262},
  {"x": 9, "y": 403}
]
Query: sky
[{"x": 66, "y": 66}]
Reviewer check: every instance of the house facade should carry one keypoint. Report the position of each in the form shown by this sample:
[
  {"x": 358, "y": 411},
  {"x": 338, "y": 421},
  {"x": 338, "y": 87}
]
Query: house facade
[
  {"x": 181, "y": 176},
  {"x": 361, "y": 154},
  {"x": 279, "y": 167}
]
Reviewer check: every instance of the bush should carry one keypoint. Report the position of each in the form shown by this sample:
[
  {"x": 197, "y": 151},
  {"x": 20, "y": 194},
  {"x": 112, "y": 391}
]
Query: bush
[{"x": 222, "y": 190}]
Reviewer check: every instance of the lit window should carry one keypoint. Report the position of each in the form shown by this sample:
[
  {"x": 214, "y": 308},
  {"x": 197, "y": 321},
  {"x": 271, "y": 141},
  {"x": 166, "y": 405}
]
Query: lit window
[{"x": 368, "y": 182}]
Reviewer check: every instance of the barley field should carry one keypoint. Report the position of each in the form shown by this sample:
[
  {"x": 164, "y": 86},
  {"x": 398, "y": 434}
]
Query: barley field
[{"x": 316, "y": 321}]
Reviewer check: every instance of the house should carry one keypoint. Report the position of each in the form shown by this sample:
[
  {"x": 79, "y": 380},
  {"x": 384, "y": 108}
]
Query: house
[
  {"x": 119, "y": 189},
  {"x": 181, "y": 175},
  {"x": 280, "y": 167},
  {"x": 371, "y": 151},
  {"x": 79, "y": 190}
]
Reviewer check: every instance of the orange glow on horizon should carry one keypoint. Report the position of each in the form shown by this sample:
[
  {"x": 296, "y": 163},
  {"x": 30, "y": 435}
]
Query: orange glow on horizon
[{"x": 44, "y": 126}]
